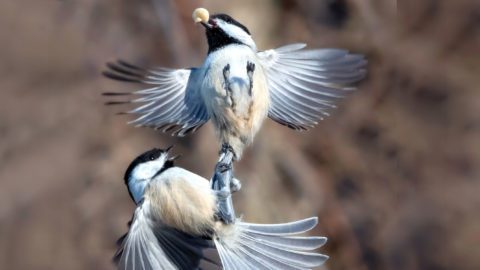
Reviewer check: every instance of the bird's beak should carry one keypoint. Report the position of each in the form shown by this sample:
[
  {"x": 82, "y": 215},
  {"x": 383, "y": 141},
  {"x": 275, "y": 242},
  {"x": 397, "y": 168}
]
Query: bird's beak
[
  {"x": 174, "y": 157},
  {"x": 210, "y": 24},
  {"x": 201, "y": 15},
  {"x": 169, "y": 148}
]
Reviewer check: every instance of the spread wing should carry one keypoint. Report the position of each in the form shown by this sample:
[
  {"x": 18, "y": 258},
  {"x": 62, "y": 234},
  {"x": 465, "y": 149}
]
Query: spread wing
[
  {"x": 305, "y": 84},
  {"x": 151, "y": 246},
  {"x": 270, "y": 246},
  {"x": 172, "y": 104}
]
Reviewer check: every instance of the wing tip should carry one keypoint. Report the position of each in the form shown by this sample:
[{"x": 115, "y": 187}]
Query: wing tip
[
  {"x": 277, "y": 246},
  {"x": 120, "y": 77},
  {"x": 109, "y": 94},
  {"x": 121, "y": 70},
  {"x": 291, "y": 125},
  {"x": 109, "y": 103}
]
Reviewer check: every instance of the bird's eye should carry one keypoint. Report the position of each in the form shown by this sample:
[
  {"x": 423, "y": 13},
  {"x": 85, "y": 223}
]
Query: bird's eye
[{"x": 152, "y": 157}]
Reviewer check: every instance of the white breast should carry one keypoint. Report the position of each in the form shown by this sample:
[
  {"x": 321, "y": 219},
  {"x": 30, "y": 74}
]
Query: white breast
[
  {"x": 234, "y": 55},
  {"x": 236, "y": 115},
  {"x": 183, "y": 200}
]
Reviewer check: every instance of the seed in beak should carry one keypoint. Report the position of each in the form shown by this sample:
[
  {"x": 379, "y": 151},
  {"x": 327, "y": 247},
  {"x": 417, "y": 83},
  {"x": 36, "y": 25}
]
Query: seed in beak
[{"x": 200, "y": 15}]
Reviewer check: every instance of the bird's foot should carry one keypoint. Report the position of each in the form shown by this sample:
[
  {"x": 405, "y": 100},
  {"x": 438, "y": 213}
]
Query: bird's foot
[
  {"x": 226, "y": 75},
  {"x": 235, "y": 185},
  {"x": 220, "y": 170},
  {"x": 222, "y": 175},
  {"x": 223, "y": 183},
  {"x": 223, "y": 167},
  {"x": 228, "y": 148},
  {"x": 226, "y": 218},
  {"x": 222, "y": 194},
  {"x": 250, "y": 70},
  {"x": 225, "y": 211}
]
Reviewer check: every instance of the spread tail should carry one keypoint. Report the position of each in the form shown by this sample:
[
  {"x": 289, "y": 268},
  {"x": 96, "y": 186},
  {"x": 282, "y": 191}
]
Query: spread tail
[{"x": 244, "y": 246}]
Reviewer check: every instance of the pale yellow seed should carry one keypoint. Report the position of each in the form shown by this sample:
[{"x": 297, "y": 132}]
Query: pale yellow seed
[{"x": 200, "y": 15}]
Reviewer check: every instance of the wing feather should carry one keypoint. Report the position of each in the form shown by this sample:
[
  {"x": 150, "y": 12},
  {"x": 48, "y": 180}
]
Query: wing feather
[
  {"x": 304, "y": 85},
  {"x": 270, "y": 246},
  {"x": 149, "y": 245},
  {"x": 174, "y": 101}
]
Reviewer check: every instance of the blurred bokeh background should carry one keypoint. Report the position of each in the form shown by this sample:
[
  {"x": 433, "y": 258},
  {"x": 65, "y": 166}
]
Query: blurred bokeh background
[{"x": 393, "y": 175}]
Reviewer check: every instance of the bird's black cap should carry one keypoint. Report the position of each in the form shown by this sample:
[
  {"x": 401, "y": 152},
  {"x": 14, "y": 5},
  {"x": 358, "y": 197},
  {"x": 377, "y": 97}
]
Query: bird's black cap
[
  {"x": 217, "y": 38},
  {"x": 145, "y": 157},
  {"x": 228, "y": 19}
]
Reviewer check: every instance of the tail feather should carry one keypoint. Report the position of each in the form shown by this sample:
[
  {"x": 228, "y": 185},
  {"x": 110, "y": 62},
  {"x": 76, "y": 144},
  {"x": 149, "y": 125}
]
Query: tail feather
[{"x": 269, "y": 246}]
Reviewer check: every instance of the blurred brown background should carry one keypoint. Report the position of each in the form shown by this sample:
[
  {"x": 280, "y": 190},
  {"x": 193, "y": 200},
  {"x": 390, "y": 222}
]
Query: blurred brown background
[{"x": 393, "y": 175}]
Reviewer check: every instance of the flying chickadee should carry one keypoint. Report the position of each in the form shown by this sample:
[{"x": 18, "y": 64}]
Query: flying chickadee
[
  {"x": 237, "y": 86},
  {"x": 174, "y": 222}
]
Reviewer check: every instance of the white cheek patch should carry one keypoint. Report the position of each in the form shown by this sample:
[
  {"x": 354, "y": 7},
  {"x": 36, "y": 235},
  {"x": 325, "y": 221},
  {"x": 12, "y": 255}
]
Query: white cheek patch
[
  {"x": 148, "y": 169},
  {"x": 238, "y": 33}
]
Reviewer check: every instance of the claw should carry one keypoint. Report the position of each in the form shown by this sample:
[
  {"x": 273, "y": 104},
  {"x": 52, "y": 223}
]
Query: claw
[
  {"x": 228, "y": 148},
  {"x": 223, "y": 183},
  {"x": 223, "y": 167}
]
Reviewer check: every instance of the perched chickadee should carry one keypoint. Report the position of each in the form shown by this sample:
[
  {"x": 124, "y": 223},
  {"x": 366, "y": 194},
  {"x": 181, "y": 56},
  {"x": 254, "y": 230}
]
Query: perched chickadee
[
  {"x": 238, "y": 86},
  {"x": 174, "y": 222}
]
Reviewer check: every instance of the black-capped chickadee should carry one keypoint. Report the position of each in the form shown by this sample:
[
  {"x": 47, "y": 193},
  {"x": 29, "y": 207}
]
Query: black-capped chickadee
[
  {"x": 175, "y": 221},
  {"x": 238, "y": 86}
]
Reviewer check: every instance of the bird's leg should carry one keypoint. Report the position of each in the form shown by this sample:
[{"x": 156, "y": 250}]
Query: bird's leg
[
  {"x": 226, "y": 74},
  {"x": 222, "y": 183},
  {"x": 224, "y": 206},
  {"x": 226, "y": 85},
  {"x": 223, "y": 167},
  {"x": 250, "y": 70},
  {"x": 227, "y": 148}
]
